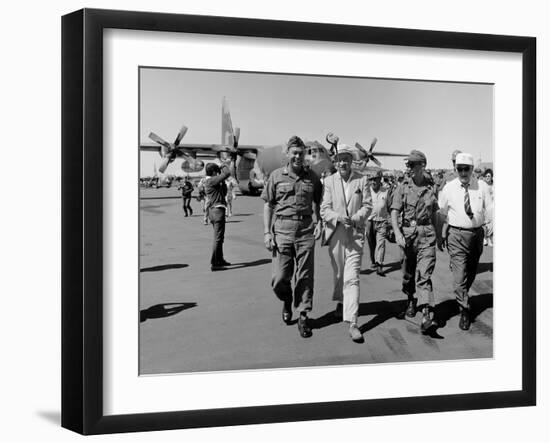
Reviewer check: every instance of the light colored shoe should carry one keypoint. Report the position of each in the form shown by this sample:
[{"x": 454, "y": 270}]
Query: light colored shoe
[
  {"x": 485, "y": 242},
  {"x": 355, "y": 333}
]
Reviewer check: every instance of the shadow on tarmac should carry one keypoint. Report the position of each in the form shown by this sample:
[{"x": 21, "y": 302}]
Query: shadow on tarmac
[
  {"x": 383, "y": 310},
  {"x": 249, "y": 264},
  {"x": 164, "y": 267},
  {"x": 390, "y": 267},
  {"x": 167, "y": 197},
  {"x": 323, "y": 321},
  {"x": 482, "y": 267},
  {"x": 449, "y": 308},
  {"x": 386, "y": 310},
  {"x": 164, "y": 310}
]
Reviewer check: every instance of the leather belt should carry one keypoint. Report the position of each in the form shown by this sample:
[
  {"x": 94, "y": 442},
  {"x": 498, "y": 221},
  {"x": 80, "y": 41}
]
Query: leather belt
[
  {"x": 294, "y": 217},
  {"x": 466, "y": 229},
  {"x": 413, "y": 223}
]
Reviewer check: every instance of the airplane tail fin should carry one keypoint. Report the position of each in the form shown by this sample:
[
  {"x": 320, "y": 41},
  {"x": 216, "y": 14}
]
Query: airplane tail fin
[{"x": 228, "y": 136}]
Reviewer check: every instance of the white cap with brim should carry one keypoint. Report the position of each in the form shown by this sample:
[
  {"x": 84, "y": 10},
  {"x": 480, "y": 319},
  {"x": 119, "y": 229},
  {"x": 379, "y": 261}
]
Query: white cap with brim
[
  {"x": 464, "y": 159},
  {"x": 345, "y": 149}
]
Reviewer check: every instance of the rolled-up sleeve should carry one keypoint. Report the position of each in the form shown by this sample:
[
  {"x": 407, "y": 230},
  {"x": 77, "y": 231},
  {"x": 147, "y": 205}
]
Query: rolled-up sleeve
[
  {"x": 268, "y": 194},
  {"x": 443, "y": 201},
  {"x": 397, "y": 199}
]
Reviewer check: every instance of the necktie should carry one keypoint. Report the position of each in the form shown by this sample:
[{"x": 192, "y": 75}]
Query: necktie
[{"x": 467, "y": 206}]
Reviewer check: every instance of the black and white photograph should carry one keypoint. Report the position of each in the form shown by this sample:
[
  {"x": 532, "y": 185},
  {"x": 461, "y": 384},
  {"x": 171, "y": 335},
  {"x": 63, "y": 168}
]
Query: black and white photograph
[{"x": 295, "y": 221}]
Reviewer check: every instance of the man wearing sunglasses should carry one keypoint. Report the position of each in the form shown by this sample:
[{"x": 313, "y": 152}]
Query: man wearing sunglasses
[
  {"x": 463, "y": 203},
  {"x": 415, "y": 204}
]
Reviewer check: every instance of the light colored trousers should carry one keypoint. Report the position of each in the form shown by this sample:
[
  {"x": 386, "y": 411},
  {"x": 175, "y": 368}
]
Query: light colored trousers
[{"x": 345, "y": 250}]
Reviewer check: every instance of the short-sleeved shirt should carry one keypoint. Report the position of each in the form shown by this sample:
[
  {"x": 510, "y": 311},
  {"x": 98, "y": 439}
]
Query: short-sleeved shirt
[
  {"x": 290, "y": 194},
  {"x": 379, "y": 204},
  {"x": 451, "y": 202},
  {"x": 418, "y": 203},
  {"x": 449, "y": 177}
]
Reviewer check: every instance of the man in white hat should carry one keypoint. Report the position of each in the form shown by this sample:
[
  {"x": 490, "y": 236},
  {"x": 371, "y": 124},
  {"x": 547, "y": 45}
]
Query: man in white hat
[
  {"x": 463, "y": 203},
  {"x": 345, "y": 208}
]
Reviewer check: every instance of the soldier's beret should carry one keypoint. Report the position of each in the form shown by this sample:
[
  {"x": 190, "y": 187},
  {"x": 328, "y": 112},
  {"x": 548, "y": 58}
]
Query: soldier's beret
[{"x": 417, "y": 157}]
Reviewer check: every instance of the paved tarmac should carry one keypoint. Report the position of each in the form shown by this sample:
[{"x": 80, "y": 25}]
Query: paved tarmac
[{"x": 193, "y": 319}]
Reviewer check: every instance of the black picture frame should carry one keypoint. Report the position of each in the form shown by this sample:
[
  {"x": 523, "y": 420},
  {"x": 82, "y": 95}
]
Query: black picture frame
[{"x": 82, "y": 218}]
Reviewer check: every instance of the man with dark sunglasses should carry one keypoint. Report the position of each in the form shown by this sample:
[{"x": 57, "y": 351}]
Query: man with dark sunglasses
[
  {"x": 415, "y": 204},
  {"x": 463, "y": 202}
]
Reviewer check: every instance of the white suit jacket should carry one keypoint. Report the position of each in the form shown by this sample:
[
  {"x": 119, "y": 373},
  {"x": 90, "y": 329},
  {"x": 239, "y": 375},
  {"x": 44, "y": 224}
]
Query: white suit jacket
[{"x": 359, "y": 204}]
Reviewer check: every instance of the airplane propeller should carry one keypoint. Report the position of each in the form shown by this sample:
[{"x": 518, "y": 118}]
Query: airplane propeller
[
  {"x": 181, "y": 134},
  {"x": 368, "y": 155},
  {"x": 168, "y": 151}
]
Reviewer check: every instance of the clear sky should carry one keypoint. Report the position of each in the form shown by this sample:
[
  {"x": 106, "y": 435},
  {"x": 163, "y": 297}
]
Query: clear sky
[{"x": 431, "y": 116}]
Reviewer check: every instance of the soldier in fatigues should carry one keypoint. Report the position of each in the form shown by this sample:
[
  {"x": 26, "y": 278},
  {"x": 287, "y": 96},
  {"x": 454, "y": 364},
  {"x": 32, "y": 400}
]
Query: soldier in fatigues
[
  {"x": 292, "y": 194},
  {"x": 415, "y": 204}
]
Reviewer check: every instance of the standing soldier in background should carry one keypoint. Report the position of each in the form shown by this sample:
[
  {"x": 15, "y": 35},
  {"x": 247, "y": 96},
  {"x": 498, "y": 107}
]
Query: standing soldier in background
[
  {"x": 202, "y": 198},
  {"x": 216, "y": 192},
  {"x": 416, "y": 204},
  {"x": 232, "y": 186},
  {"x": 292, "y": 194},
  {"x": 186, "y": 191},
  {"x": 463, "y": 202},
  {"x": 377, "y": 223}
]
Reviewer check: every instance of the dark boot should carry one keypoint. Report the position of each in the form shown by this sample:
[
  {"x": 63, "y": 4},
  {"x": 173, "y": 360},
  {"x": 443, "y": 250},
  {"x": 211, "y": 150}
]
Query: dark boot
[
  {"x": 303, "y": 325},
  {"x": 465, "y": 320},
  {"x": 427, "y": 323},
  {"x": 411, "y": 308}
]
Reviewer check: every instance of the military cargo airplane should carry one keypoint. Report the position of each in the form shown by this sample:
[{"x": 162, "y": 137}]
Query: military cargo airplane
[
  {"x": 250, "y": 164},
  {"x": 194, "y": 155}
]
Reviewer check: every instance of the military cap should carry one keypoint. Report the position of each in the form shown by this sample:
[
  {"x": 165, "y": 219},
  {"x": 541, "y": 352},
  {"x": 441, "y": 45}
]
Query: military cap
[
  {"x": 295, "y": 141},
  {"x": 416, "y": 157}
]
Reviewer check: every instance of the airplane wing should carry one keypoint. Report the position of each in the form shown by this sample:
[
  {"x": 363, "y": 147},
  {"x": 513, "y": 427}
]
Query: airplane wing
[
  {"x": 205, "y": 150},
  {"x": 390, "y": 154}
]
